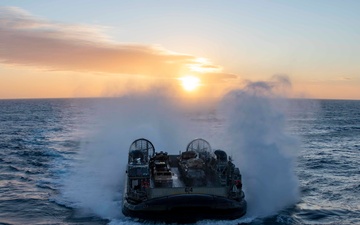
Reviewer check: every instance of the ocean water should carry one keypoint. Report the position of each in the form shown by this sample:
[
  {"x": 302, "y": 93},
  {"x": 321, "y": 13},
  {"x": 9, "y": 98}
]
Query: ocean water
[{"x": 62, "y": 160}]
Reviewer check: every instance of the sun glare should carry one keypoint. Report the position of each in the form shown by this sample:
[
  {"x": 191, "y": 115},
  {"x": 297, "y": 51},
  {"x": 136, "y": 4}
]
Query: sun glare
[{"x": 190, "y": 83}]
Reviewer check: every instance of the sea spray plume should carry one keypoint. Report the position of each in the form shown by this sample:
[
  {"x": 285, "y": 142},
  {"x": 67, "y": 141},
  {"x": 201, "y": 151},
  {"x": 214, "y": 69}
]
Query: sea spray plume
[
  {"x": 96, "y": 183},
  {"x": 261, "y": 147},
  {"x": 277, "y": 87}
]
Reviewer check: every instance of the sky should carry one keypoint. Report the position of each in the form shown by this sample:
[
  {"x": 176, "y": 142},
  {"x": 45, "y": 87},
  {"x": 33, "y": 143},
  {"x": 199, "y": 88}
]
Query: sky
[{"x": 88, "y": 48}]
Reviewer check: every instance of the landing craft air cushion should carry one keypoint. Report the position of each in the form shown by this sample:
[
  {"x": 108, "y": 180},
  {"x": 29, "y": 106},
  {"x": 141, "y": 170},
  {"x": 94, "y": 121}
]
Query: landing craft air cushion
[{"x": 196, "y": 184}]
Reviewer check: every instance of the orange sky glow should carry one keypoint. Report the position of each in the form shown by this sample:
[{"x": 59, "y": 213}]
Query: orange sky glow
[{"x": 42, "y": 58}]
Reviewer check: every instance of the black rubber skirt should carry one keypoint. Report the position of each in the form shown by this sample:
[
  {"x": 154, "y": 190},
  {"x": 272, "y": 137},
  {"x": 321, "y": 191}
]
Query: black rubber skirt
[{"x": 186, "y": 208}]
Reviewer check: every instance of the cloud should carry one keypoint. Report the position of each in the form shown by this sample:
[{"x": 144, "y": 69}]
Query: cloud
[
  {"x": 343, "y": 78},
  {"x": 32, "y": 41}
]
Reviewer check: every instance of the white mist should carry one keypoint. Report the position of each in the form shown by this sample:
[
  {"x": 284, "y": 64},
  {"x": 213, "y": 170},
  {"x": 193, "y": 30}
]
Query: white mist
[
  {"x": 265, "y": 153},
  {"x": 252, "y": 130},
  {"x": 95, "y": 184}
]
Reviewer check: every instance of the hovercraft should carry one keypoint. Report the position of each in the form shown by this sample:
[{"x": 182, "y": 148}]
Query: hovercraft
[{"x": 195, "y": 184}]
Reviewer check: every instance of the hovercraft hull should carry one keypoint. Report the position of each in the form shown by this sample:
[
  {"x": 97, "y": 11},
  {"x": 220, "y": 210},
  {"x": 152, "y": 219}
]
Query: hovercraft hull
[{"x": 186, "y": 208}]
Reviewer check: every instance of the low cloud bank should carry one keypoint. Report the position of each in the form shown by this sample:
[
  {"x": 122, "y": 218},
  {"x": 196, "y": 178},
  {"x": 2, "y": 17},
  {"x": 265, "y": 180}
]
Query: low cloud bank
[{"x": 32, "y": 41}]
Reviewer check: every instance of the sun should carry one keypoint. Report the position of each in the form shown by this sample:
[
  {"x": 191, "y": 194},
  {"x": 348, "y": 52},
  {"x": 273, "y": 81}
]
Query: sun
[{"x": 190, "y": 83}]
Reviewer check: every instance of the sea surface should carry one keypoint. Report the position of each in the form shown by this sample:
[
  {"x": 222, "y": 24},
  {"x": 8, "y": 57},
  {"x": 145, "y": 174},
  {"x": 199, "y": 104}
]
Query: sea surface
[{"x": 62, "y": 160}]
